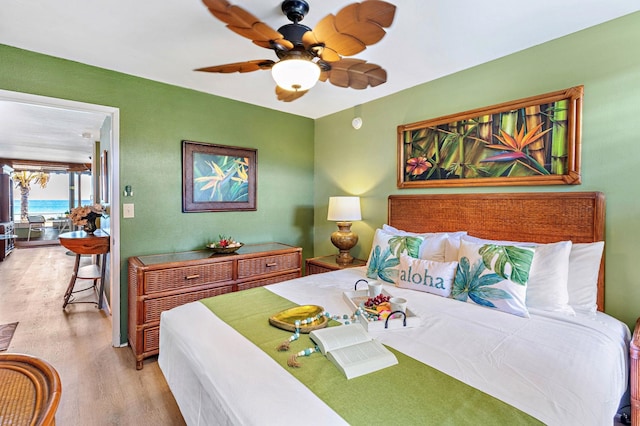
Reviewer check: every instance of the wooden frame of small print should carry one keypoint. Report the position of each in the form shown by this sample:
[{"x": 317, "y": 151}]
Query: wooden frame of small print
[
  {"x": 218, "y": 178},
  {"x": 531, "y": 141},
  {"x": 104, "y": 177}
]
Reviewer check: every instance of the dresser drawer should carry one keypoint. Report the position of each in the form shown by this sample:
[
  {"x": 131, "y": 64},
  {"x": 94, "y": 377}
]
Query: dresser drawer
[
  {"x": 151, "y": 339},
  {"x": 192, "y": 276},
  {"x": 268, "y": 264},
  {"x": 154, "y": 307},
  {"x": 267, "y": 281}
]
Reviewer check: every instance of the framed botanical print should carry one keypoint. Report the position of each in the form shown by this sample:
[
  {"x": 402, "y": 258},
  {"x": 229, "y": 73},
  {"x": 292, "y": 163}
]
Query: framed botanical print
[
  {"x": 218, "y": 177},
  {"x": 532, "y": 141}
]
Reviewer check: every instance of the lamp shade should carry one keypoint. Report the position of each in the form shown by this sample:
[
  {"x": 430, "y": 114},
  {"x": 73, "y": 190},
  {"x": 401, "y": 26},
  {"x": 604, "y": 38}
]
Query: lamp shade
[
  {"x": 295, "y": 74},
  {"x": 344, "y": 209}
]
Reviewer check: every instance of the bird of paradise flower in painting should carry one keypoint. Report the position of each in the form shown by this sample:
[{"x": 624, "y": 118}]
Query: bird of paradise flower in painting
[
  {"x": 525, "y": 142},
  {"x": 220, "y": 178}
]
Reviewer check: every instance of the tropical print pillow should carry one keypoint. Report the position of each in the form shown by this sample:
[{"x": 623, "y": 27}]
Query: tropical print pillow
[
  {"x": 547, "y": 288},
  {"x": 493, "y": 276},
  {"x": 426, "y": 275},
  {"x": 385, "y": 253}
]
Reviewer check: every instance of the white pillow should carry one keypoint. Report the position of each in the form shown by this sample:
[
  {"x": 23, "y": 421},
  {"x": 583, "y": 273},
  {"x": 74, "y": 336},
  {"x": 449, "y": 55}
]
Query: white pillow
[
  {"x": 548, "y": 281},
  {"x": 434, "y": 245},
  {"x": 426, "y": 275},
  {"x": 494, "y": 276},
  {"x": 584, "y": 267},
  {"x": 391, "y": 230},
  {"x": 451, "y": 248}
]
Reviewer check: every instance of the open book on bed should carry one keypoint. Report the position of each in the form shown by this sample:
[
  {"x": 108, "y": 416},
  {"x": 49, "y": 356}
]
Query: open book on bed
[{"x": 352, "y": 350}]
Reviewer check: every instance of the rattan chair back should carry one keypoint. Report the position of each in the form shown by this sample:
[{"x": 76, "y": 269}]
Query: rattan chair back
[{"x": 30, "y": 390}]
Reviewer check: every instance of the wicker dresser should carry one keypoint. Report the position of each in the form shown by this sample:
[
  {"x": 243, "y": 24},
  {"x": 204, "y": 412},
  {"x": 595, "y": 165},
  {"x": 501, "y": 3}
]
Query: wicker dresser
[{"x": 161, "y": 282}]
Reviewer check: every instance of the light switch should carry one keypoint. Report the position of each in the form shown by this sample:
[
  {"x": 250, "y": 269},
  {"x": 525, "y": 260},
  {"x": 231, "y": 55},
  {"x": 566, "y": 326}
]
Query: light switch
[{"x": 127, "y": 211}]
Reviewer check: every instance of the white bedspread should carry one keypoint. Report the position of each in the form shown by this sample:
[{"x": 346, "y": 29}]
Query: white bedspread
[{"x": 562, "y": 370}]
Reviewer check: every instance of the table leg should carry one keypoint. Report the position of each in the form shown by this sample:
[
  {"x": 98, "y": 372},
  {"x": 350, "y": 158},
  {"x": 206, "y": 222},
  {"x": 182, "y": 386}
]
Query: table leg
[
  {"x": 102, "y": 273},
  {"x": 72, "y": 282}
]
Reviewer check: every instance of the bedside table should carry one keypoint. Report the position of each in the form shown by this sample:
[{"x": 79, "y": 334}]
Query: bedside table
[{"x": 322, "y": 264}]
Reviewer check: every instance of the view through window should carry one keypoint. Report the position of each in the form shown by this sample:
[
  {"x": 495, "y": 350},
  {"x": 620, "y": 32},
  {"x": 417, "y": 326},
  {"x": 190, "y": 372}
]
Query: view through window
[{"x": 53, "y": 201}]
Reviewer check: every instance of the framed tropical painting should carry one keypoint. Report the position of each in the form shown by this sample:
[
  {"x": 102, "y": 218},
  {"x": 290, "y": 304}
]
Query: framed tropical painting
[
  {"x": 531, "y": 141},
  {"x": 218, "y": 177}
]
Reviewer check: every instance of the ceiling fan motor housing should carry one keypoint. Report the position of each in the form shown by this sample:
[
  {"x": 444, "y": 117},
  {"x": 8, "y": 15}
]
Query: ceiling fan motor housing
[
  {"x": 294, "y": 33},
  {"x": 295, "y": 9}
]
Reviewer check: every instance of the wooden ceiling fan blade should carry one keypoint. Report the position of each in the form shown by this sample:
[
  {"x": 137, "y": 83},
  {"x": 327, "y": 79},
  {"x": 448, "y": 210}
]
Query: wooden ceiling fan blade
[
  {"x": 329, "y": 55},
  {"x": 258, "y": 32},
  {"x": 309, "y": 39},
  {"x": 241, "y": 67},
  {"x": 355, "y": 27},
  {"x": 217, "y": 6},
  {"x": 350, "y": 21},
  {"x": 364, "y": 75},
  {"x": 287, "y": 95},
  {"x": 245, "y": 24},
  {"x": 345, "y": 45},
  {"x": 240, "y": 17},
  {"x": 380, "y": 12},
  {"x": 356, "y": 73},
  {"x": 230, "y": 14}
]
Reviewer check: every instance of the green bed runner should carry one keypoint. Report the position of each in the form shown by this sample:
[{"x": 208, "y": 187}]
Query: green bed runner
[{"x": 408, "y": 393}]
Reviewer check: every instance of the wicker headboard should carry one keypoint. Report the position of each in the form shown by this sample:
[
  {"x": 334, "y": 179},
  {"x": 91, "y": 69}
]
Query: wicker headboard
[{"x": 539, "y": 217}]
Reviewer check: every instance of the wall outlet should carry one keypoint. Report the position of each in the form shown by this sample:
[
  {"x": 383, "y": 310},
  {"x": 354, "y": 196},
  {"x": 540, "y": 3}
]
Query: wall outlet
[{"x": 127, "y": 211}]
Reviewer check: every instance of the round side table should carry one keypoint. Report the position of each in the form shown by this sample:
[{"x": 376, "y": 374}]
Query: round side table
[{"x": 79, "y": 242}]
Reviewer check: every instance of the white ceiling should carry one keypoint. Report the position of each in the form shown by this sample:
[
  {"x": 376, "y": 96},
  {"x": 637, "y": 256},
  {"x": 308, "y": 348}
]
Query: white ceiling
[
  {"x": 165, "y": 40},
  {"x": 35, "y": 132}
]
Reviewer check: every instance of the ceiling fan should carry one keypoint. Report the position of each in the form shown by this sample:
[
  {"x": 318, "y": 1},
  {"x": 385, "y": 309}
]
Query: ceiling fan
[{"x": 306, "y": 55}]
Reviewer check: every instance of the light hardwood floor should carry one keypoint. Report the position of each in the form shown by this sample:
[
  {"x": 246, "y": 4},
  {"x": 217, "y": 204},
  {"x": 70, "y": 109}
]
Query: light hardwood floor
[{"x": 100, "y": 385}]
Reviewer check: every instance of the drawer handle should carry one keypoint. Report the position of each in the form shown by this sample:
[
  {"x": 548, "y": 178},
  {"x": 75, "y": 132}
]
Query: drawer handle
[
  {"x": 269, "y": 265},
  {"x": 192, "y": 277}
]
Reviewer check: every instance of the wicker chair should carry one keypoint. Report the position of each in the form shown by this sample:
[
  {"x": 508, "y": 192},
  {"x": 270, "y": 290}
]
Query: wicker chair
[{"x": 30, "y": 390}]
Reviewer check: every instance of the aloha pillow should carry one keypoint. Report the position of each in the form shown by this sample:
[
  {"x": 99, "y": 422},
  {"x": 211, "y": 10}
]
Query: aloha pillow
[
  {"x": 385, "y": 252},
  {"x": 494, "y": 276},
  {"x": 426, "y": 275},
  {"x": 547, "y": 288},
  {"x": 584, "y": 267}
]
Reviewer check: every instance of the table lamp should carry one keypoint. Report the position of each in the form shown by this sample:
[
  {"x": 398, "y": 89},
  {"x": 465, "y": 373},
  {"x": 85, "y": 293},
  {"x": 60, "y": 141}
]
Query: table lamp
[{"x": 343, "y": 210}]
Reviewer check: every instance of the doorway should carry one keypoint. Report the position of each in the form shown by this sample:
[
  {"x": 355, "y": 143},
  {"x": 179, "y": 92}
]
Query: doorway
[{"x": 110, "y": 137}]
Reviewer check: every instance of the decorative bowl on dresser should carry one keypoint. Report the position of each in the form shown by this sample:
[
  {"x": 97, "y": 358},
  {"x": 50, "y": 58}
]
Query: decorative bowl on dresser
[{"x": 163, "y": 281}]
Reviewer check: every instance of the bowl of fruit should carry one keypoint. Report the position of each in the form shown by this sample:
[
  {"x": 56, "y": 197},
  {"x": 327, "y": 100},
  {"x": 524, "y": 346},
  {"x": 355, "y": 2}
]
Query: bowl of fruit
[
  {"x": 378, "y": 305},
  {"x": 224, "y": 245}
]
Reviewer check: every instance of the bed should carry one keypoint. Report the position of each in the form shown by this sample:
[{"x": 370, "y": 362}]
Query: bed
[{"x": 545, "y": 366}]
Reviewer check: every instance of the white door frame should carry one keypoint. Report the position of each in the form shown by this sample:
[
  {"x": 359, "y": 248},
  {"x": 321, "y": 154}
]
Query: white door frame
[{"x": 114, "y": 185}]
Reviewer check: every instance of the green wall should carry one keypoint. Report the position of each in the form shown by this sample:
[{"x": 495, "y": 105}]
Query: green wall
[
  {"x": 604, "y": 59},
  {"x": 154, "y": 119},
  {"x": 301, "y": 167}
]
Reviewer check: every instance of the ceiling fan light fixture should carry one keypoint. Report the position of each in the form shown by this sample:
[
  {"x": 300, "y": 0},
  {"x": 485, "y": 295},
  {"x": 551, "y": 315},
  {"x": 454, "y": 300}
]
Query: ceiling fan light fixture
[{"x": 295, "y": 74}]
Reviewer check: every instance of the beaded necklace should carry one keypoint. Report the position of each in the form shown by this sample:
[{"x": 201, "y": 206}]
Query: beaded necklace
[{"x": 284, "y": 346}]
